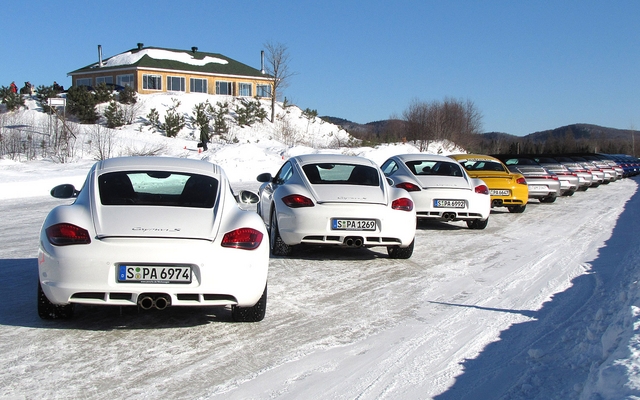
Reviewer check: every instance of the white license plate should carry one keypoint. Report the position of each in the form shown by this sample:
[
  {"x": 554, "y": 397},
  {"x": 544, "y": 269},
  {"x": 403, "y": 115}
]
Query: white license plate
[
  {"x": 154, "y": 274},
  {"x": 499, "y": 192},
  {"x": 539, "y": 188},
  {"x": 341, "y": 224},
  {"x": 449, "y": 203}
]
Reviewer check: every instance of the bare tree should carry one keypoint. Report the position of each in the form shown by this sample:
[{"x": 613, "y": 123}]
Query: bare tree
[
  {"x": 277, "y": 67},
  {"x": 454, "y": 120}
]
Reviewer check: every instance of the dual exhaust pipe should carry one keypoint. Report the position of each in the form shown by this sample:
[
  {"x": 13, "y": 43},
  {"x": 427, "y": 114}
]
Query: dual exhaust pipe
[
  {"x": 496, "y": 203},
  {"x": 157, "y": 301},
  {"x": 354, "y": 241},
  {"x": 449, "y": 216}
]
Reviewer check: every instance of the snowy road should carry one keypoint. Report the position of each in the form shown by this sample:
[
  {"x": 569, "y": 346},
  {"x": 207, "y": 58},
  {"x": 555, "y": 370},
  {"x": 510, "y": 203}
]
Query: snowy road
[{"x": 516, "y": 310}]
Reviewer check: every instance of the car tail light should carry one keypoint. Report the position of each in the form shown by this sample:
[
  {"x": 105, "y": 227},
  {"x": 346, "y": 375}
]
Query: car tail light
[
  {"x": 297, "y": 201},
  {"x": 521, "y": 181},
  {"x": 243, "y": 238},
  {"x": 67, "y": 234},
  {"x": 402, "y": 204},
  {"x": 482, "y": 189},
  {"x": 408, "y": 186}
]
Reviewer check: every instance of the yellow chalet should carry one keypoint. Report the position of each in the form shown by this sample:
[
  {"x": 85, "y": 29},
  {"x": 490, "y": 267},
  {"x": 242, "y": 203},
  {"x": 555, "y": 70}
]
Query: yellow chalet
[{"x": 154, "y": 70}]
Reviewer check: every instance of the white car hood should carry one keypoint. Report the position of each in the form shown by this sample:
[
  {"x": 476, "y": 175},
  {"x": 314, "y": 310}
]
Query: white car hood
[
  {"x": 149, "y": 221},
  {"x": 348, "y": 194}
]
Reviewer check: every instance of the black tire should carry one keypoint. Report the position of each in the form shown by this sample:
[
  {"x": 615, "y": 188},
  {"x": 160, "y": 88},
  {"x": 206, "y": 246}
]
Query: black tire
[
  {"x": 548, "y": 199},
  {"x": 48, "y": 310},
  {"x": 517, "y": 209},
  {"x": 277, "y": 245},
  {"x": 400, "y": 252},
  {"x": 569, "y": 193},
  {"x": 254, "y": 313},
  {"x": 477, "y": 223}
]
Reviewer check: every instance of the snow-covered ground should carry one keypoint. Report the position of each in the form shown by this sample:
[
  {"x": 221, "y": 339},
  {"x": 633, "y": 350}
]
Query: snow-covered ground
[{"x": 543, "y": 304}]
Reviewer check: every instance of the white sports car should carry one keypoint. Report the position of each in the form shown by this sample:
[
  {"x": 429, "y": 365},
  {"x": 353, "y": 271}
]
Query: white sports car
[
  {"x": 329, "y": 199},
  {"x": 153, "y": 232},
  {"x": 440, "y": 188}
]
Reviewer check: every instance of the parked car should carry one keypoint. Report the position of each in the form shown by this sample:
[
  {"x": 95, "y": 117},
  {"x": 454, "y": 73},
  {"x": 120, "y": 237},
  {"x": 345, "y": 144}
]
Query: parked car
[
  {"x": 608, "y": 160},
  {"x": 329, "y": 199},
  {"x": 610, "y": 174},
  {"x": 597, "y": 173},
  {"x": 440, "y": 188},
  {"x": 585, "y": 177},
  {"x": 543, "y": 185},
  {"x": 569, "y": 180},
  {"x": 153, "y": 232},
  {"x": 506, "y": 189}
]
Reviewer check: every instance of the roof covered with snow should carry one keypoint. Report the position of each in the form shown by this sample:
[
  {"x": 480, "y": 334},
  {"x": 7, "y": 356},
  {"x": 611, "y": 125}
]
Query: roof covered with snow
[{"x": 172, "y": 59}]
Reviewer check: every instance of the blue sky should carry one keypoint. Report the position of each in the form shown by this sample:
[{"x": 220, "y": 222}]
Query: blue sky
[{"x": 527, "y": 65}]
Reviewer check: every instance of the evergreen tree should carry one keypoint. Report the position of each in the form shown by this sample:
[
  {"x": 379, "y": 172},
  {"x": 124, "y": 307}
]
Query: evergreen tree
[
  {"x": 153, "y": 118},
  {"x": 173, "y": 120},
  {"x": 127, "y": 96},
  {"x": 103, "y": 93},
  {"x": 43, "y": 94},
  {"x": 220, "y": 113},
  {"x": 114, "y": 115},
  {"x": 82, "y": 103},
  {"x": 12, "y": 100}
]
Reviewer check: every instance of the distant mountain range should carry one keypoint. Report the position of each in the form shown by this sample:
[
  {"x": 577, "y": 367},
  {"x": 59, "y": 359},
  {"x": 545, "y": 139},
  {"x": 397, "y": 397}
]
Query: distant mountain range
[{"x": 579, "y": 131}]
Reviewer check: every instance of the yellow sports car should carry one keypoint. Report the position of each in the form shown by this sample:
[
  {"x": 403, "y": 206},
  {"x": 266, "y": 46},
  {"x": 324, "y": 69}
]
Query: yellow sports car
[{"x": 507, "y": 189}]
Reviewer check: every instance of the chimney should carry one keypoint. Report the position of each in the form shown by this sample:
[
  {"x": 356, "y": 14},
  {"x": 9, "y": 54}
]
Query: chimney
[
  {"x": 262, "y": 62},
  {"x": 140, "y": 45},
  {"x": 100, "y": 65},
  {"x": 194, "y": 49}
]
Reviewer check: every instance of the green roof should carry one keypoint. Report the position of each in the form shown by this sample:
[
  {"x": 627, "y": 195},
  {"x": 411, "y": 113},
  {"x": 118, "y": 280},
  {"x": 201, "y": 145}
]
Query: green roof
[{"x": 231, "y": 67}]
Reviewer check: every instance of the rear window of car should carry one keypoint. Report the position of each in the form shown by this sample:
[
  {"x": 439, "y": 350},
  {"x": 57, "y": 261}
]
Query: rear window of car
[
  {"x": 341, "y": 174},
  {"x": 439, "y": 168},
  {"x": 157, "y": 188},
  {"x": 483, "y": 165}
]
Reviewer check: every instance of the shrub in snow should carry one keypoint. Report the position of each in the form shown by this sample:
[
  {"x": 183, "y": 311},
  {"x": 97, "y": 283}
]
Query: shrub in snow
[
  {"x": 82, "y": 103},
  {"x": 153, "y": 119},
  {"x": 127, "y": 96},
  {"x": 11, "y": 100},
  {"x": 43, "y": 94},
  {"x": 114, "y": 115},
  {"x": 174, "y": 121}
]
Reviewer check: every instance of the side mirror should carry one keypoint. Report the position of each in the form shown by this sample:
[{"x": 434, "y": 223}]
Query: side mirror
[
  {"x": 247, "y": 197},
  {"x": 265, "y": 177},
  {"x": 390, "y": 182},
  {"x": 66, "y": 191}
]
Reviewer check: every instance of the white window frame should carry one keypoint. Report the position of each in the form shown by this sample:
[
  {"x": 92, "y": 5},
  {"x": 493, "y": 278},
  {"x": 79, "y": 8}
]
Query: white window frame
[
  {"x": 228, "y": 86},
  {"x": 124, "y": 80},
  {"x": 245, "y": 89},
  {"x": 204, "y": 85},
  {"x": 84, "y": 82},
  {"x": 171, "y": 82},
  {"x": 105, "y": 79},
  {"x": 263, "y": 90},
  {"x": 157, "y": 79}
]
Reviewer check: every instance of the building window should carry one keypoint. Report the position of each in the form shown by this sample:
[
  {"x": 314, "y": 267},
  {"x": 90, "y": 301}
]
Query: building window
[
  {"x": 175, "y": 83},
  {"x": 224, "y": 88},
  {"x": 198, "y": 85},
  {"x": 244, "y": 89},
  {"x": 125, "y": 80},
  {"x": 84, "y": 82},
  {"x": 104, "y": 79},
  {"x": 152, "y": 82},
  {"x": 263, "y": 90}
]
